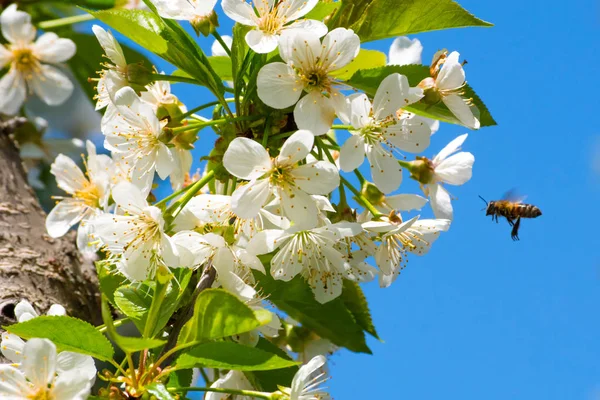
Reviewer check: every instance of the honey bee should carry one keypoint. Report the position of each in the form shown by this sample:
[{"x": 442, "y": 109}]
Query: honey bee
[{"x": 513, "y": 209}]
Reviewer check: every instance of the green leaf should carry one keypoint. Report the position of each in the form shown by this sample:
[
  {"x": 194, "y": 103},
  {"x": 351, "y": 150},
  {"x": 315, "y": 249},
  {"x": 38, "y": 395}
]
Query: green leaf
[
  {"x": 222, "y": 66},
  {"x": 229, "y": 355},
  {"x": 86, "y": 61},
  {"x": 167, "y": 39},
  {"x": 219, "y": 314},
  {"x": 180, "y": 378},
  {"x": 366, "y": 59},
  {"x": 368, "y": 80},
  {"x": 67, "y": 333},
  {"x": 135, "y": 299},
  {"x": 323, "y": 10},
  {"x": 380, "y": 19},
  {"x": 331, "y": 320},
  {"x": 270, "y": 381},
  {"x": 159, "y": 391},
  {"x": 356, "y": 302},
  {"x": 110, "y": 280}
]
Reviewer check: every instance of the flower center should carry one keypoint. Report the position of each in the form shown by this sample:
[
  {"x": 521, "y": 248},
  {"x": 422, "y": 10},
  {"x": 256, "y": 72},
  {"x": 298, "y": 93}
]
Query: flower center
[
  {"x": 24, "y": 60},
  {"x": 281, "y": 177},
  {"x": 89, "y": 195},
  {"x": 42, "y": 394},
  {"x": 316, "y": 79},
  {"x": 271, "y": 23}
]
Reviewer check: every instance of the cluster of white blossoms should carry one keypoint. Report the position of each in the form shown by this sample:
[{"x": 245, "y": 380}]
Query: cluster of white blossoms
[{"x": 38, "y": 371}]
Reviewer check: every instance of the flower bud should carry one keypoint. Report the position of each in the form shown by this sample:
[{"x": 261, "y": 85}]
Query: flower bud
[
  {"x": 372, "y": 194},
  {"x": 205, "y": 25},
  {"x": 421, "y": 170}
]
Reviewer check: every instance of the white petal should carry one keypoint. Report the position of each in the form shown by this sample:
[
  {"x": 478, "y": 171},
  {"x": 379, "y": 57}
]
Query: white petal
[
  {"x": 461, "y": 110},
  {"x": 456, "y": 169},
  {"x": 299, "y": 48},
  {"x": 135, "y": 263},
  {"x": 110, "y": 45},
  {"x": 295, "y": 9},
  {"x": 440, "y": 202},
  {"x": 352, "y": 153},
  {"x": 296, "y": 148},
  {"x": 278, "y": 85},
  {"x": 451, "y": 75},
  {"x": 129, "y": 197},
  {"x": 320, "y": 177},
  {"x": 69, "y": 176},
  {"x": 385, "y": 170},
  {"x": 248, "y": 260},
  {"x": 246, "y": 159},
  {"x": 12, "y": 348},
  {"x": 23, "y": 310},
  {"x": 405, "y": 51},
  {"x": 393, "y": 93},
  {"x": 314, "y": 112},
  {"x": 63, "y": 216},
  {"x": 299, "y": 207},
  {"x": 304, "y": 374},
  {"x": 359, "y": 110},
  {"x": 5, "y": 56},
  {"x": 378, "y": 226},
  {"x": 72, "y": 385},
  {"x": 239, "y": 11},
  {"x": 52, "y": 49},
  {"x": 165, "y": 161},
  {"x": 217, "y": 48},
  {"x": 13, "y": 385},
  {"x": 405, "y": 202},
  {"x": 169, "y": 253},
  {"x": 39, "y": 362},
  {"x": 51, "y": 85},
  {"x": 69, "y": 361},
  {"x": 56, "y": 310},
  {"x": 16, "y": 25},
  {"x": 410, "y": 133},
  {"x": 307, "y": 25},
  {"x": 14, "y": 90},
  {"x": 450, "y": 148},
  {"x": 340, "y": 46},
  {"x": 260, "y": 42},
  {"x": 234, "y": 284},
  {"x": 265, "y": 241},
  {"x": 247, "y": 200}
]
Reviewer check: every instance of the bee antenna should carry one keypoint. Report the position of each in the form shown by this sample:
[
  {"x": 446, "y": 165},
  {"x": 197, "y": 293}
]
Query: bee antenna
[{"x": 486, "y": 203}]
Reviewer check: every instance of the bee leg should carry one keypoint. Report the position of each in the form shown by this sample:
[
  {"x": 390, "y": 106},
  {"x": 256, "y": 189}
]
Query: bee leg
[
  {"x": 515, "y": 231},
  {"x": 510, "y": 221}
]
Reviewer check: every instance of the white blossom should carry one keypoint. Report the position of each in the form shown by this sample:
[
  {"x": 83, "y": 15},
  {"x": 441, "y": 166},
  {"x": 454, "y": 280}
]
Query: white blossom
[
  {"x": 114, "y": 75},
  {"x": 136, "y": 239},
  {"x": 307, "y": 67},
  {"x": 451, "y": 169},
  {"x": 271, "y": 19},
  {"x": 312, "y": 253},
  {"x": 378, "y": 127},
  {"x": 449, "y": 83},
  {"x": 308, "y": 381},
  {"x": 159, "y": 94},
  {"x": 89, "y": 194},
  {"x": 133, "y": 136},
  {"x": 405, "y": 51},
  {"x": 233, "y": 380},
  {"x": 39, "y": 376},
  {"x": 32, "y": 63},
  {"x": 293, "y": 183},
  {"x": 195, "y": 11},
  {"x": 399, "y": 238}
]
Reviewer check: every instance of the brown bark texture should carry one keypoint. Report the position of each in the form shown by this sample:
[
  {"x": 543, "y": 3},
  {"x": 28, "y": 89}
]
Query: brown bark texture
[{"x": 34, "y": 266}]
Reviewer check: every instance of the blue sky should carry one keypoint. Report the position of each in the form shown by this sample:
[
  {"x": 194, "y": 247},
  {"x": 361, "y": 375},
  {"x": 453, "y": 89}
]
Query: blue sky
[{"x": 482, "y": 316}]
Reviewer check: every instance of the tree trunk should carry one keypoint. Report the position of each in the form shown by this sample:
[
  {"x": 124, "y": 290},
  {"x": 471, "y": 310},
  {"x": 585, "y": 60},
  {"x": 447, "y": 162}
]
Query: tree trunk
[{"x": 34, "y": 266}]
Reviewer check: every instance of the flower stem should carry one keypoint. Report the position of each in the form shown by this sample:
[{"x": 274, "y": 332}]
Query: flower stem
[
  {"x": 404, "y": 164},
  {"x": 361, "y": 198},
  {"x": 176, "y": 207},
  {"x": 219, "y": 121},
  {"x": 159, "y": 295},
  {"x": 74, "y": 19},
  {"x": 222, "y": 42},
  {"x": 202, "y": 107},
  {"x": 102, "y": 328},
  {"x": 343, "y": 127},
  {"x": 249, "y": 393}
]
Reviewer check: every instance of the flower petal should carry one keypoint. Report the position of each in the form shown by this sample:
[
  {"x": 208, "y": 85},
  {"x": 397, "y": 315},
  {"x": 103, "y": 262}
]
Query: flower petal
[
  {"x": 405, "y": 202},
  {"x": 16, "y": 26},
  {"x": 278, "y": 86},
  {"x": 314, "y": 112},
  {"x": 385, "y": 170},
  {"x": 304, "y": 375},
  {"x": 393, "y": 93},
  {"x": 51, "y": 85},
  {"x": 129, "y": 198},
  {"x": 12, "y": 348},
  {"x": 39, "y": 362},
  {"x": 260, "y": 42},
  {"x": 359, "y": 110},
  {"x": 405, "y": 51},
  {"x": 295, "y": 9},
  {"x": 410, "y": 133},
  {"x": 69, "y": 176},
  {"x": 63, "y": 216},
  {"x": 24, "y": 311},
  {"x": 452, "y": 74},
  {"x": 440, "y": 202},
  {"x": 299, "y": 207},
  {"x": 450, "y": 148},
  {"x": 68, "y": 361},
  {"x": 340, "y": 46},
  {"x": 111, "y": 47},
  {"x": 239, "y": 11},
  {"x": 72, "y": 385},
  {"x": 265, "y": 241},
  {"x": 14, "y": 91},
  {"x": 247, "y": 200},
  {"x": 246, "y": 159},
  {"x": 52, "y": 49},
  {"x": 321, "y": 177},
  {"x": 307, "y": 25},
  {"x": 461, "y": 110},
  {"x": 165, "y": 161},
  {"x": 13, "y": 385},
  {"x": 296, "y": 148},
  {"x": 456, "y": 169},
  {"x": 352, "y": 153}
]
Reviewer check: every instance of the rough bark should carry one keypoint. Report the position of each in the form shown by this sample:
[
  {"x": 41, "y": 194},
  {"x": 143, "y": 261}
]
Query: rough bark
[{"x": 34, "y": 266}]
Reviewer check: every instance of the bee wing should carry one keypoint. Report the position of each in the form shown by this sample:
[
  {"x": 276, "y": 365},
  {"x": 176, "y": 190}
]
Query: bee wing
[{"x": 513, "y": 196}]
